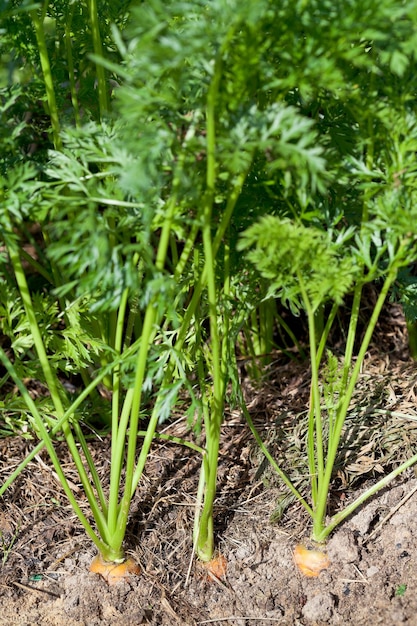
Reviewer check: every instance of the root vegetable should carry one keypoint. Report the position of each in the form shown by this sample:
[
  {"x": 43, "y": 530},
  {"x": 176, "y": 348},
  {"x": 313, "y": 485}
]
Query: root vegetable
[
  {"x": 216, "y": 567},
  {"x": 114, "y": 573},
  {"x": 310, "y": 562}
]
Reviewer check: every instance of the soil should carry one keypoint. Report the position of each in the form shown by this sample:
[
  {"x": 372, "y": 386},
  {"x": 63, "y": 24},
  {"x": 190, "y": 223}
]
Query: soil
[{"x": 45, "y": 581}]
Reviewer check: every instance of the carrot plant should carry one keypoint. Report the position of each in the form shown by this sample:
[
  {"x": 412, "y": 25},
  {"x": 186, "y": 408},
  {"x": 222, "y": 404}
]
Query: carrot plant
[
  {"x": 155, "y": 137},
  {"x": 73, "y": 323},
  {"x": 207, "y": 102},
  {"x": 303, "y": 264},
  {"x": 132, "y": 283},
  {"x": 320, "y": 246}
]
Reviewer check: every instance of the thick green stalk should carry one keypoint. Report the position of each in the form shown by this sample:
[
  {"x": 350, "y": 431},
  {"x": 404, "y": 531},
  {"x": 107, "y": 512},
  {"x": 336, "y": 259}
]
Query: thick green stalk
[
  {"x": 131, "y": 408},
  {"x": 317, "y": 354},
  {"x": 202, "y": 279},
  {"x": 315, "y": 425},
  {"x": 118, "y": 344},
  {"x": 47, "y": 77},
  {"x": 148, "y": 333},
  {"x": 204, "y": 523},
  {"x": 98, "y": 51},
  {"x": 71, "y": 70},
  {"x": 202, "y": 385},
  {"x": 213, "y": 416},
  {"x": 320, "y": 511},
  {"x": 205, "y": 543},
  {"x": 116, "y": 457}
]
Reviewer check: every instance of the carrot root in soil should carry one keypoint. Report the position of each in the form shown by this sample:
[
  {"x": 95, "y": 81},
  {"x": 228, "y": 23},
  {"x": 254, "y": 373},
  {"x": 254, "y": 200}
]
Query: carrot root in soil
[
  {"x": 310, "y": 562},
  {"x": 114, "y": 573},
  {"x": 216, "y": 568}
]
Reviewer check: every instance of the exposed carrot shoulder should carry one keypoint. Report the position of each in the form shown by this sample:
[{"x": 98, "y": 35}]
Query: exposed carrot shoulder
[
  {"x": 114, "y": 573},
  {"x": 310, "y": 562},
  {"x": 216, "y": 567}
]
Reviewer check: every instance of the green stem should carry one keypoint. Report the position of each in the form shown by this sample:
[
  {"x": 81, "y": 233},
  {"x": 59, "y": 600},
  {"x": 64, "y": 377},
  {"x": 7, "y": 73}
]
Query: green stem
[
  {"x": 321, "y": 348},
  {"x": 47, "y": 442},
  {"x": 131, "y": 408},
  {"x": 38, "y": 267},
  {"x": 187, "y": 250},
  {"x": 52, "y": 382},
  {"x": 70, "y": 412},
  {"x": 199, "y": 502},
  {"x": 202, "y": 280},
  {"x": 47, "y": 77},
  {"x": 350, "y": 341},
  {"x": 326, "y": 331},
  {"x": 291, "y": 335},
  {"x": 92, "y": 467},
  {"x": 214, "y": 413},
  {"x": 98, "y": 51},
  {"x": 342, "y": 515},
  {"x": 146, "y": 446},
  {"x": 116, "y": 457},
  {"x": 272, "y": 461},
  {"x": 214, "y": 416},
  {"x": 71, "y": 71},
  {"x": 315, "y": 425},
  {"x": 320, "y": 512},
  {"x": 178, "y": 440}
]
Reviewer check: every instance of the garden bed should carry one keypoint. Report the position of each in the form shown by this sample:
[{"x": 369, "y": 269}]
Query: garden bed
[{"x": 45, "y": 578}]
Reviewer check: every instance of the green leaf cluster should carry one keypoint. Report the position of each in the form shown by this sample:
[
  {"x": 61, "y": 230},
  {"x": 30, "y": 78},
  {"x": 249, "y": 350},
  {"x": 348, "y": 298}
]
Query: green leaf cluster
[{"x": 295, "y": 258}]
